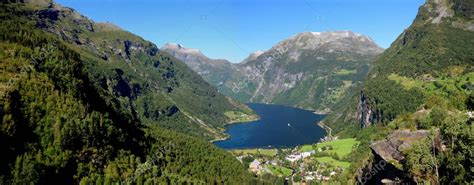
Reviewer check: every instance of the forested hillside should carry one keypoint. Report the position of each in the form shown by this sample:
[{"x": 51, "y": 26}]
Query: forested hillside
[
  {"x": 84, "y": 103},
  {"x": 423, "y": 82},
  {"x": 148, "y": 84}
]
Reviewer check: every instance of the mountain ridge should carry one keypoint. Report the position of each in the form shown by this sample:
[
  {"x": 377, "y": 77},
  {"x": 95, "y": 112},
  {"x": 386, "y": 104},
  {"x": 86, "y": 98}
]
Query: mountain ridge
[{"x": 346, "y": 52}]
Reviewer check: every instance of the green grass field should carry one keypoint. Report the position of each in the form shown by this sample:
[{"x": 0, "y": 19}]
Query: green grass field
[
  {"x": 333, "y": 162},
  {"x": 245, "y": 151},
  {"x": 280, "y": 170},
  {"x": 306, "y": 148},
  {"x": 447, "y": 84},
  {"x": 407, "y": 83},
  {"x": 341, "y": 147},
  {"x": 346, "y": 72},
  {"x": 265, "y": 152},
  {"x": 268, "y": 152},
  {"x": 235, "y": 116}
]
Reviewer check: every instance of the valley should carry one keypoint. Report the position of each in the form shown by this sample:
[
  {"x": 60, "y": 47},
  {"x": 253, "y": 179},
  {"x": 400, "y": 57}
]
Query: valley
[
  {"x": 86, "y": 102},
  {"x": 311, "y": 70}
]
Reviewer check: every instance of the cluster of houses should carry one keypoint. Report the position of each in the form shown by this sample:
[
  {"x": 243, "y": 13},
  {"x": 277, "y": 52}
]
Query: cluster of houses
[
  {"x": 299, "y": 162},
  {"x": 258, "y": 167},
  {"x": 311, "y": 176},
  {"x": 298, "y": 156}
]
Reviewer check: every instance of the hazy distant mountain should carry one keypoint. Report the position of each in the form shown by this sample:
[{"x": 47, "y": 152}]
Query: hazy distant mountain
[
  {"x": 214, "y": 71},
  {"x": 252, "y": 56}
]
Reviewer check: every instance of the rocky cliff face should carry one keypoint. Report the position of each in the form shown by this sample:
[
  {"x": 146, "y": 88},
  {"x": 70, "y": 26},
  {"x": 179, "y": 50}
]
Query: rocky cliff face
[
  {"x": 365, "y": 114},
  {"x": 310, "y": 70},
  {"x": 388, "y": 154},
  {"x": 392, "y": 147},
  {"x": 379, "y": 171}
]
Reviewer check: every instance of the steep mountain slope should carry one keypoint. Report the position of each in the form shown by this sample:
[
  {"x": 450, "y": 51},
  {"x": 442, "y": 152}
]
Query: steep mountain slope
[
  {"x": 253, "y": 56},
  {"x": 423, "y": 82},
  {"x": 213, "y": 71},
  {"x": 150, "y": 84},
  {"x": 88, "y": 103},
  {"x": 309, "y": 70},
  {"x": 439, "y": 43}
]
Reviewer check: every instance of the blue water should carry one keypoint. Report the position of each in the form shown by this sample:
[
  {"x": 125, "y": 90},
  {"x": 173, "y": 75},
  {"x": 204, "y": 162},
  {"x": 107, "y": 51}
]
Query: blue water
[{"x": 272, "y": 130}]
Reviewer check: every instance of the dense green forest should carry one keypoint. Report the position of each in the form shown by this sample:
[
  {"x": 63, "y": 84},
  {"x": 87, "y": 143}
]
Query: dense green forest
[
  {"x": 423, "y": 81},
  {"x": 70, "y": 117},
  {"x": 147, "y": 84}
]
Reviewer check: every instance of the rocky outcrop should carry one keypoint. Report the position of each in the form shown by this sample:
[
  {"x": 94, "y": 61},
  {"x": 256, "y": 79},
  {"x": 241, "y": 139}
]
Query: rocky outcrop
[
  {"x": 458, "y": 13},
  {"x": 379, "y": 171},
  {"x": 52, "y": 17},
  {"x": 463, "y": 8},
  {"x": 131, "y": 47},
  {"x": 381, "y": 168},
  {"x": 392, "y": 147}
]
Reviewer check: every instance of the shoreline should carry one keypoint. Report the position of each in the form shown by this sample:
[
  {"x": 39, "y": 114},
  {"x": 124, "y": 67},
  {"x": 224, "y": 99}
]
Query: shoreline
[
  {"x": 256, "y": 118},
  {"x": 318, "y": 112},
  {"x": 325, "y": 128},
  {"x": 227, "y": 136},
  {"x": 321, "y": 112}
]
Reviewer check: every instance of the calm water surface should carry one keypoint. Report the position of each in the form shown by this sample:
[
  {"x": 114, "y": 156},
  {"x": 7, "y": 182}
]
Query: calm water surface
[{"x": 279, "y": 126}]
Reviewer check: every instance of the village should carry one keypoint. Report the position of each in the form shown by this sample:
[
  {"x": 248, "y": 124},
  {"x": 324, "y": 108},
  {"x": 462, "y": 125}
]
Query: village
[{"x": 306, "y": 164}]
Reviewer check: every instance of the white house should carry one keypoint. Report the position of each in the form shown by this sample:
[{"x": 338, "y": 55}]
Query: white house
[
  {"x": 255, "y": 166},
  {"x": 299, "y": 156},
  {"x": 307, "y": 154},
  {"x": 293, "y": 158}
]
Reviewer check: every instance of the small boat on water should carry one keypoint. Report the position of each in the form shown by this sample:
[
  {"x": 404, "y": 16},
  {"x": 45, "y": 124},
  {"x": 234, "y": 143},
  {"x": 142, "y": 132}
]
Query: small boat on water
[{"x": 289, "y": 124}]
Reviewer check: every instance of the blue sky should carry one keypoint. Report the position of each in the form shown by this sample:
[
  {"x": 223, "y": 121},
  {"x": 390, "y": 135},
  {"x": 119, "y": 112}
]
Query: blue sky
[{"x": 232, "y": 29}]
